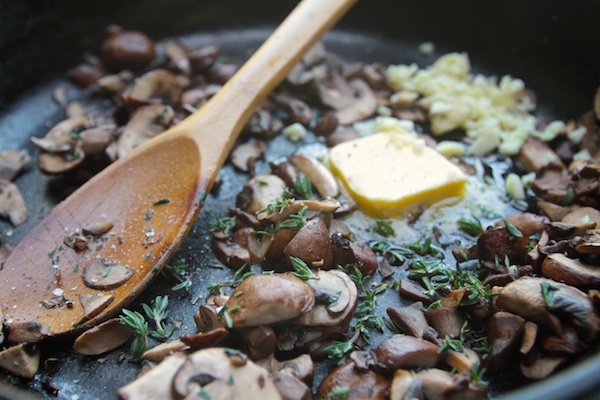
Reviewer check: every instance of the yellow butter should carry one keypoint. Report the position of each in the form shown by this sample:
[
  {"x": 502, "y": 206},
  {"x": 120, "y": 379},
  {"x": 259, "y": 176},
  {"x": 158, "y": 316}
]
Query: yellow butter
[{"x": 388, "y": 173}]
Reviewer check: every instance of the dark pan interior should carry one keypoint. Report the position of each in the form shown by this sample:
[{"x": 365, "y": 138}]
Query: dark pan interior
[{"x": 549, "y": 44}]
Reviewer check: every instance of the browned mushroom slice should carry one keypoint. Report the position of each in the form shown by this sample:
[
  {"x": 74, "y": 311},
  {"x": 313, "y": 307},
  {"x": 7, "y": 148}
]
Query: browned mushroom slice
[
  {"x": 326, "y": 205},
  {"x": 530, "y": 223},
  {"x": 412, "y": 291},
  {"x": 178, "y": 55},
  {"x": 105, "y": 276},
  {"x": 211, "y": 371},
  {"x": 446, "y": 321},
  {"x": 259, "y": 192},
  {"x": 530, "y": 331},
  {"x": 576, "y": 306},
  {"x": 261, "y": 341},
  {"x": 231, "y": 254},
  {"x": 498, "y": 243},
  {"x": 411, "y": 320},
  {"x": 156, "y": 383},
  {"x": 361, "y": 384},
  {"x": 561, "y": 231},
  {"x": 302, "y": 367},
  {"x": 245, "y": 154},
  {"x": 208, "y": 318},
  {"x": 541, "y": 367},
  {"x": 290, "y": 387},
  {"x": 524, "y": 297},
  {"x": 102, "y": 338},
  {"x": 127, "y": 49},
  {"x": 267, "y": 299},
  {"x": 505, "y": 331},
  {"x": 27, "y": 332},
  {"x": 12, "y": 162},
  {"x": 21, "y": 360},
  {"x": 564, "y": 269},
  {"x": 97, "y": 228},
  {"x": 144, "y": 123},
  {"x": 535, "y": 155},
  {"x": 353, "y": 252},
  {"x": 582, "y": 216},
  {"x": 12, "y": 204},
  {"x": 85, "y": 74},
  {"x": 320, "y": 176},
  {"x": 163, "y": 350},
  {"x": 114, "y": 83},
  {"x": 364, "y": 104},
  {"x": 59, "y": 163},
  {"x": 440, "y": 385},
  {"x": 93, "y": 304},
  {"x": 312, "y": 245},
  {"x": 257, "y": 245},
  {"x": 336, "y": 297},
  {"x": 553, "y": 211},
  {"x": 568, "y": 343},
  {"x": 156, "y": 86},
  {"x": 96, "y": 140},
  {"x": 403, "y": 351},
  {"x": 552, "y": 186},
  {"x": 462, "y": 361},
  {"x": 61, "y": 138}
]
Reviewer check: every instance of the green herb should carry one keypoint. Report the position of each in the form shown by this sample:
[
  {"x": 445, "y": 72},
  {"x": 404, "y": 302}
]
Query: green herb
[
  {"x": 364, "y": 324},
  {"x": 187, "y": 284},
  {"x": 178, "y": 267},
  {"x": 472, "y": 227},
  {"x": 225, "y": 225},
  {"x": 333, "y": 298},
  {"x": 384, "y": 228},
  {"x": 434, "y": 306},
  {"x": 567, "y": 197},
  {"x": 106, "y": 272},
  {"x": 137, "y": 323},
  {"x": 339, "y": 393},
  {"x": 148, "y": 256},
  {"x": 301, "y": 269},
  {"x": 423, "y": 247},
  {"x": 235, "y": 309},
  {"x": 296, "y": 221},
  {"x": 453, "y": 344},
  {"x": 339, "y": 350},
  {"x": 149, "y": 215},
  {"x": 158, "y": 313},
  {"x": 477, "y": 374},
  {"x": 270, "y": 231},
  {"x": 548, "y": 293},
  {"x": 204, "y": 394},
  {"x": 263, "y": 183},
  {"x": 224, "y": 314},
  {"x": 230, "y": 381},
  {"x": 202, "y": 197},
  {"x": 280, "y": 205},
  {"x": 164, "y": 200},
  {"x": 512, "y": 231},
  {"x": 303, "y": 186},
  {"x": 231, "y": 352}
]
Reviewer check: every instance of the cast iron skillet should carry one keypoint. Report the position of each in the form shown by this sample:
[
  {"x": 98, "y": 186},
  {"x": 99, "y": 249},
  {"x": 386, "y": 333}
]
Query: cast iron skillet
[{"x": 548, "y": 43}]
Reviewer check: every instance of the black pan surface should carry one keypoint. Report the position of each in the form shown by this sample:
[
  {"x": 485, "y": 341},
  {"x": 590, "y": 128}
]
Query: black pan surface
[{"x": 548, "y": 44}]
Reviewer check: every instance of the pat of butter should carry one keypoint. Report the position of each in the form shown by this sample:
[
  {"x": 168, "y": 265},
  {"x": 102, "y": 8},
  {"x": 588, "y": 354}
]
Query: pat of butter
[{"x": 387, "y": 173}]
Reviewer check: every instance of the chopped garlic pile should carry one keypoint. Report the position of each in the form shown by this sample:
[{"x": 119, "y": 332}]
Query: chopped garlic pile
[{"x": 494, "y": 114}]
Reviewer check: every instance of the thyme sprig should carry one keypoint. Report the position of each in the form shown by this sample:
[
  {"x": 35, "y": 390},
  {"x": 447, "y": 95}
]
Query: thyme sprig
[
  {"x": 301, "y": 269},
  {"x": 158, "y": 313},
  {"x": 303, "y": 186},
  {"x": 138, "y": 324}
]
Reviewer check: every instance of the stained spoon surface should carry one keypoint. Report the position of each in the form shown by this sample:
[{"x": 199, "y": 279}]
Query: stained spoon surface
[{"x": 150, "y": 199}]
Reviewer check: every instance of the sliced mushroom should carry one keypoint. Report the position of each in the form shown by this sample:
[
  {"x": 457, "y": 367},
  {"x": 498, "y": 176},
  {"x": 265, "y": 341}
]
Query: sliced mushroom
[
  {"x": 498, "y": 243},
  {"x": 163, "y": 350},
  {"x": 462, "y": 361},
  {"x": 61, "y": 138},
  {"x": 156, "y": 383},
  {"x": 208, "y": 318},
  {"x": 102, "y": 338},
  {"x": 570, "y": 271},
  {"x": 93, "y": 304},
  {"x": 530, "y": 331},
  {"x": 245, "y": 154},
  {"x": 27, "y": 332},
  {"x": 144, "y": 123},
  {"x": 524, "y": 298},
  {"x": 336, "y": 93},
  {"x": 12, "y": 162},
  {"x": 505, "y": 331},
  {"x": 535, "y": 155},
  {"x": 257, "y": 245},
  {"x": 178, "y": 56},
  {"x": 319, "y": 175},
  {"x": 542, "y": 367},
  {"x": 298, "y": 110},
  {"x": 312, "y": 245},
  {"x": 231, "y": 254},
  {"x": 568, "y": 343},
  {"x": 267, "y": 299},
  {"x": 12, "y": 204},
  {"x": 575, "y": 306},
  {"x": 336, "y": 297},
  {"x": 96, "y": 140},
  {"x": 364, "y": 104},
  {"x": 290, "y": 387},
  {"x": 354, "y": 253},
  {"x": 406, "y": 385},
  {"x": 105, "y": 276},
  {"x": 553, "y": 211},
  {"x": 411, "y": 320},
  {"x": 361, "y": 384},
  {"x": 446, "y": 321},
  {"x": 412, "y": 291},
  {"x": 326, "y": 125},
  {"x": 59, "y": 163},
  {"x": 440, "y": 385},
  {"x": 222, "y": 374},
  {"x": 582, "y": 216},
  {"x": 259, "y": 192},
  {"x": 326, "y": 205},
  {"x": 21, "y": 360},
  {"x": 85, "y": 74},
  {"x": 205, "y": 339},
  {"x": 261, "y": 341},
  {"x": 114, "y": 83},
  {"x": 156, "y": 86},
  {"x": 530, "y": 223},
  {"x": 403, "y": 351},
  {"x": 203, "y": 58},
  {"x": 302, "y": 367}
]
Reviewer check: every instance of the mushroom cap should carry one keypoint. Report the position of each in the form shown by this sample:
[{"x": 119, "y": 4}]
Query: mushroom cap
[
  {"x": 12, "y": 204},
  {"x": 268, "y": 299},
  {"x": 403, "y": 351},
  {"x": 222, "y": 374},
  {"x": 102, "y": 338},
  {"x": 156, "y": 383},
  {"x": 570, "y": 271},
  {"x": 311, "y": 244},
  {"x": 21, "y": 360},
  {"x": 362, "y": 384}
]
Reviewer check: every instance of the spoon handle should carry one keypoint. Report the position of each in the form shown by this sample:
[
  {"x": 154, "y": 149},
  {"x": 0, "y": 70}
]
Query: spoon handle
[{"x": 233, "y": 105}]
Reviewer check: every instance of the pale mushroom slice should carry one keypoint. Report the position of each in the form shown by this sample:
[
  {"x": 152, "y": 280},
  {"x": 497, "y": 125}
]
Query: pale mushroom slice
[
  {"x": 104, "y": 276},
  {"x": 246, "y": 153},
  {"x": 96, "y": 140},
  {"x": 405, "y": 385},
  {"x": 178, "y": 56},
  {"x": 542, "y": 367},
  {"x": 318, "y": 174},
  {"x": 58, "y": 163},
  {"x": 94, "y": 304},
  {"x": 570, "y": 271},
  {"x": 27, "y": 332},
  {"x": 259, "y": 192},
  {"x": 290, "y": 387},
  {"x": 21, "y": 360},
  {"x": 156, "y": 383},
  {"x": 267, "y": 299},
  {"x": 364, "y": 104},
  {"x": 163, "y": 350},
  {"x": 12, "y": 204},
  {"x": 336, "y": 297},
  {"x": 62, "y": 137},
  {"x": 144, "y": 123},
  {"x": 156, "y": 86},
  {"x": 220, "y": 374},
  {"x": 102, "y": 338},
  {"x": 12, "y": 162}
]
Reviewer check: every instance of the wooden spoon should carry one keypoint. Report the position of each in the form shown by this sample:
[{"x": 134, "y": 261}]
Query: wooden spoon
[{"x": 152, "y": 197}]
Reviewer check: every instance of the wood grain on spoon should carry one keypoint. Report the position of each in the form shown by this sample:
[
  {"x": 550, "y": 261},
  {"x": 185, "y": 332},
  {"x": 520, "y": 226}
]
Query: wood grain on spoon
[{"x": 152, "y": 197}]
